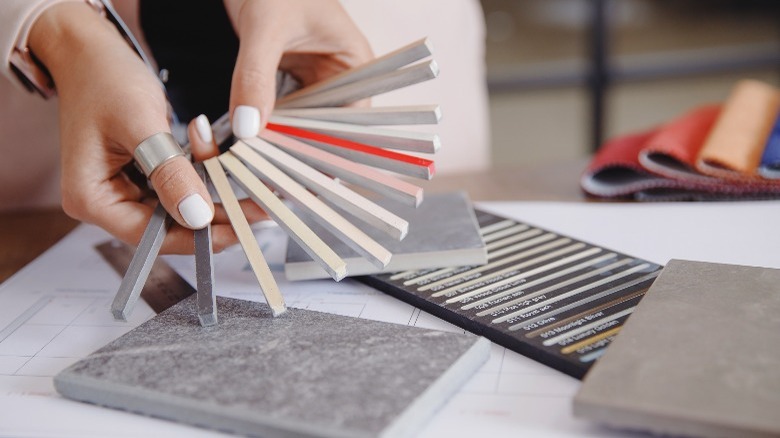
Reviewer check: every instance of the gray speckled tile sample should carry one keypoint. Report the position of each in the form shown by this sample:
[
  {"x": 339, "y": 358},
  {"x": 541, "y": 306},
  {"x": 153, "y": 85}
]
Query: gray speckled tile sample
[
  {"x": 700, "y": 356},
  {"x": 443, "y": 232},
  {"x": 303, "y": 373}
]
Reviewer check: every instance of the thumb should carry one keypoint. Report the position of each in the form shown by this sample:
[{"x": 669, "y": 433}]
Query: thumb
[
  {"x": 253, "y": 88},
  {"x": 183, "y": 193}
]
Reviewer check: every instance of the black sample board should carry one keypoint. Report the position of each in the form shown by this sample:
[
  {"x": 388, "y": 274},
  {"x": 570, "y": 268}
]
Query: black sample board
[{"x": 553, "y": 298}]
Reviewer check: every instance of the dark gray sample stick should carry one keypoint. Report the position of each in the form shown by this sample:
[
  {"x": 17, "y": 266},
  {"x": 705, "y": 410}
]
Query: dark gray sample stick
[
  {"x": 204, "y": 268},
  {"x": 143, "y": 259}
]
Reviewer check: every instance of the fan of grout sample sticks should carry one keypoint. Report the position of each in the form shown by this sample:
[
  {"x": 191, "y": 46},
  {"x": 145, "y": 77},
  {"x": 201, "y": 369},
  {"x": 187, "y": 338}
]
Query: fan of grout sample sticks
[{"x": 310, "y": 139}]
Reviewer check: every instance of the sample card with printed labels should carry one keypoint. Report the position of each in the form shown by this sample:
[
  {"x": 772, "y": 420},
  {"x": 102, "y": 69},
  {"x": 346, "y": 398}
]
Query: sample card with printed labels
[{"x": 555, "y": 299}]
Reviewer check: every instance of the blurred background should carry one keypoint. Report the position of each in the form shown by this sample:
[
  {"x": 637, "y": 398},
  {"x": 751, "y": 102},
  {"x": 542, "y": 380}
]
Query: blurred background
[{"x": 565, "y": 74}]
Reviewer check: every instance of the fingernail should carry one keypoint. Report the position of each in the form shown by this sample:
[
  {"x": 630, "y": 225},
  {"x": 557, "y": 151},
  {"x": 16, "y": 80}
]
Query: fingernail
[
  {"x": 195, "y": 211},
  {"x": 246, "y": 121},
  {"x": 203, "y": 127}
]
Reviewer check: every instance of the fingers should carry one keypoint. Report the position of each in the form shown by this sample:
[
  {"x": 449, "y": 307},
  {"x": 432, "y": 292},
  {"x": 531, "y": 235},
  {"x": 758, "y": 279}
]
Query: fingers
[
  {"x": 312, "y": 39},
  {"x": 183, "y": 193},
  {"x": 253, "y": 89},
  {"x": 202, "y": 144}
]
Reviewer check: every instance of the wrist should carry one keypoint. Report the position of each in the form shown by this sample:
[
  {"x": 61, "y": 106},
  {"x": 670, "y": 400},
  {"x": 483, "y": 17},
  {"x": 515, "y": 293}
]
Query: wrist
[{"x": 64, "y": 31}]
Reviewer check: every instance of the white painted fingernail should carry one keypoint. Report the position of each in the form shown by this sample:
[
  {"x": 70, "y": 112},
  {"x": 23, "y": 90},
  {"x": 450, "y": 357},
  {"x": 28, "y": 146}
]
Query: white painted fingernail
[
  {"x": 246, "y": 121},
  {"x": 195, "y": 211},
  {"x": 203, "y": 127}
]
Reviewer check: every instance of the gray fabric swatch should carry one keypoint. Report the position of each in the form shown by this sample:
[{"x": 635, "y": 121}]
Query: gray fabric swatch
[
  {"x": 303, "y": 373},
  {"x": 700, "y": 356}
]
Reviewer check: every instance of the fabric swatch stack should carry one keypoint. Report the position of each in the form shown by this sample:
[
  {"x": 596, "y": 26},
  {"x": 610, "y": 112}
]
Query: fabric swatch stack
[{"x": 715, "y": 152}]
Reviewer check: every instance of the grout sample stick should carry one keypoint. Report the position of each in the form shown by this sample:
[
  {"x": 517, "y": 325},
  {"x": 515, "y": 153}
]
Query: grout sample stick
[
  {"x": 413, "y": 141},
  {"x": 143, "y": 259},
  {"x": 365, "y": 88},
  {"x": 284, "y": 217},
  {"x": 355, "y": 173},
  {"x": 378, "y": 115},
  {"x": 384, "y": 64},
  {"x": 248, "y": 242},
  {"x": 334, "y": 192},
  {"x": 204, "y": 268},
  {"x": 347, "y": 232},
  {"x": 369, "y": 155}
]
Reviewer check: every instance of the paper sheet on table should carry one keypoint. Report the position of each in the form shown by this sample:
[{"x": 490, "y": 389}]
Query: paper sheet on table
[{"x": 56, "y": 310}]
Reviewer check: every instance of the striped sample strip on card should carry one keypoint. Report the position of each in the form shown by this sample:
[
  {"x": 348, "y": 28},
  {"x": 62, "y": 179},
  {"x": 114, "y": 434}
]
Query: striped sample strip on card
[{"x": 553, "y": 298}]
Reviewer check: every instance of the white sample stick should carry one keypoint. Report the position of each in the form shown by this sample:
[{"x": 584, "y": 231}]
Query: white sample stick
[
  {"x": 382, "y": 115},
  {"x": 362, "y": 89},
  {"x": 347, "y": 170},
  {"x": 382, "y": 137},
  {"x": 332, "y": 190},
  {"x": 384, "y": 64},
  {"x": 319, "y": 211},
  {"x": 334, "y": 265},
  {"x": 240, "y": 225}
]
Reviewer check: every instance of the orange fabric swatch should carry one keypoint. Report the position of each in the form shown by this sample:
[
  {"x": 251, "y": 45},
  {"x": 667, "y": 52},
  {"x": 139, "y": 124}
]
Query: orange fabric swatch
[{"x": 734, "y": 147}]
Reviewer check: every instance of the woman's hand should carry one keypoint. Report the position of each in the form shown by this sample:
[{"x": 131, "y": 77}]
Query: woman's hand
[
  {"x": 109, "y": 102},
  {"x": 310, "y": 39}
]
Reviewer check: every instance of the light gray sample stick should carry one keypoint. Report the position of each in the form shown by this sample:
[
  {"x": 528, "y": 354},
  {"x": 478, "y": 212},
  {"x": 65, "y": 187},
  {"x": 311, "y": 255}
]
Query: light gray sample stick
[
  {"x": 404, "y": 164},
  {"x": 384, "y": 64},
  {"x": 378, "y": 115},
  {"x": 359, "y": 90},
  {"x": 143, "y": 259},
  {"x": 413, "y": 141},
  {"x": 204, "y": 268}
]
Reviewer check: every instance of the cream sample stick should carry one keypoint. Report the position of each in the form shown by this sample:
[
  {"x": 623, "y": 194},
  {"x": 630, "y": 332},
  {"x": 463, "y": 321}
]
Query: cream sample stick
[
  {"x": 240, "y": 225},
  {"x": 204, "y": 268},
  {"x": 384, "y": 64},
  {"x": 422, "y": 142},
  {"x": 284, "y": 217},
  {"x": 142, "y": 262},
  {"x": 319, "y": 211},
  {"x": 383, "y": 115},
  {"x": 332, "y": 190},
  {"x": 347, "y": 170},
  {"x": 359, "y": 90}
]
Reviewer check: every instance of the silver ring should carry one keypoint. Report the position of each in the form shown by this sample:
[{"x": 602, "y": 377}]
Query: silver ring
[{"x": 155, "y": 150}]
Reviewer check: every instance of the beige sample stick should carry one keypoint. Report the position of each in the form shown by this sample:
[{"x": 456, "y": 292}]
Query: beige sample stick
[
  {"x": 382, "y": 115},
  {"x": 251, "y": 248},
  {"x": 332, "y": 190},
  {"x": 319, "y": 211},
  {"x": 347, "y": 170},
  {"x": 294, "y": 226},
  {"x": 423, "y": 142},
  {"x": 365, "y": 88},
  {"x": 384, "y": 64}
]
